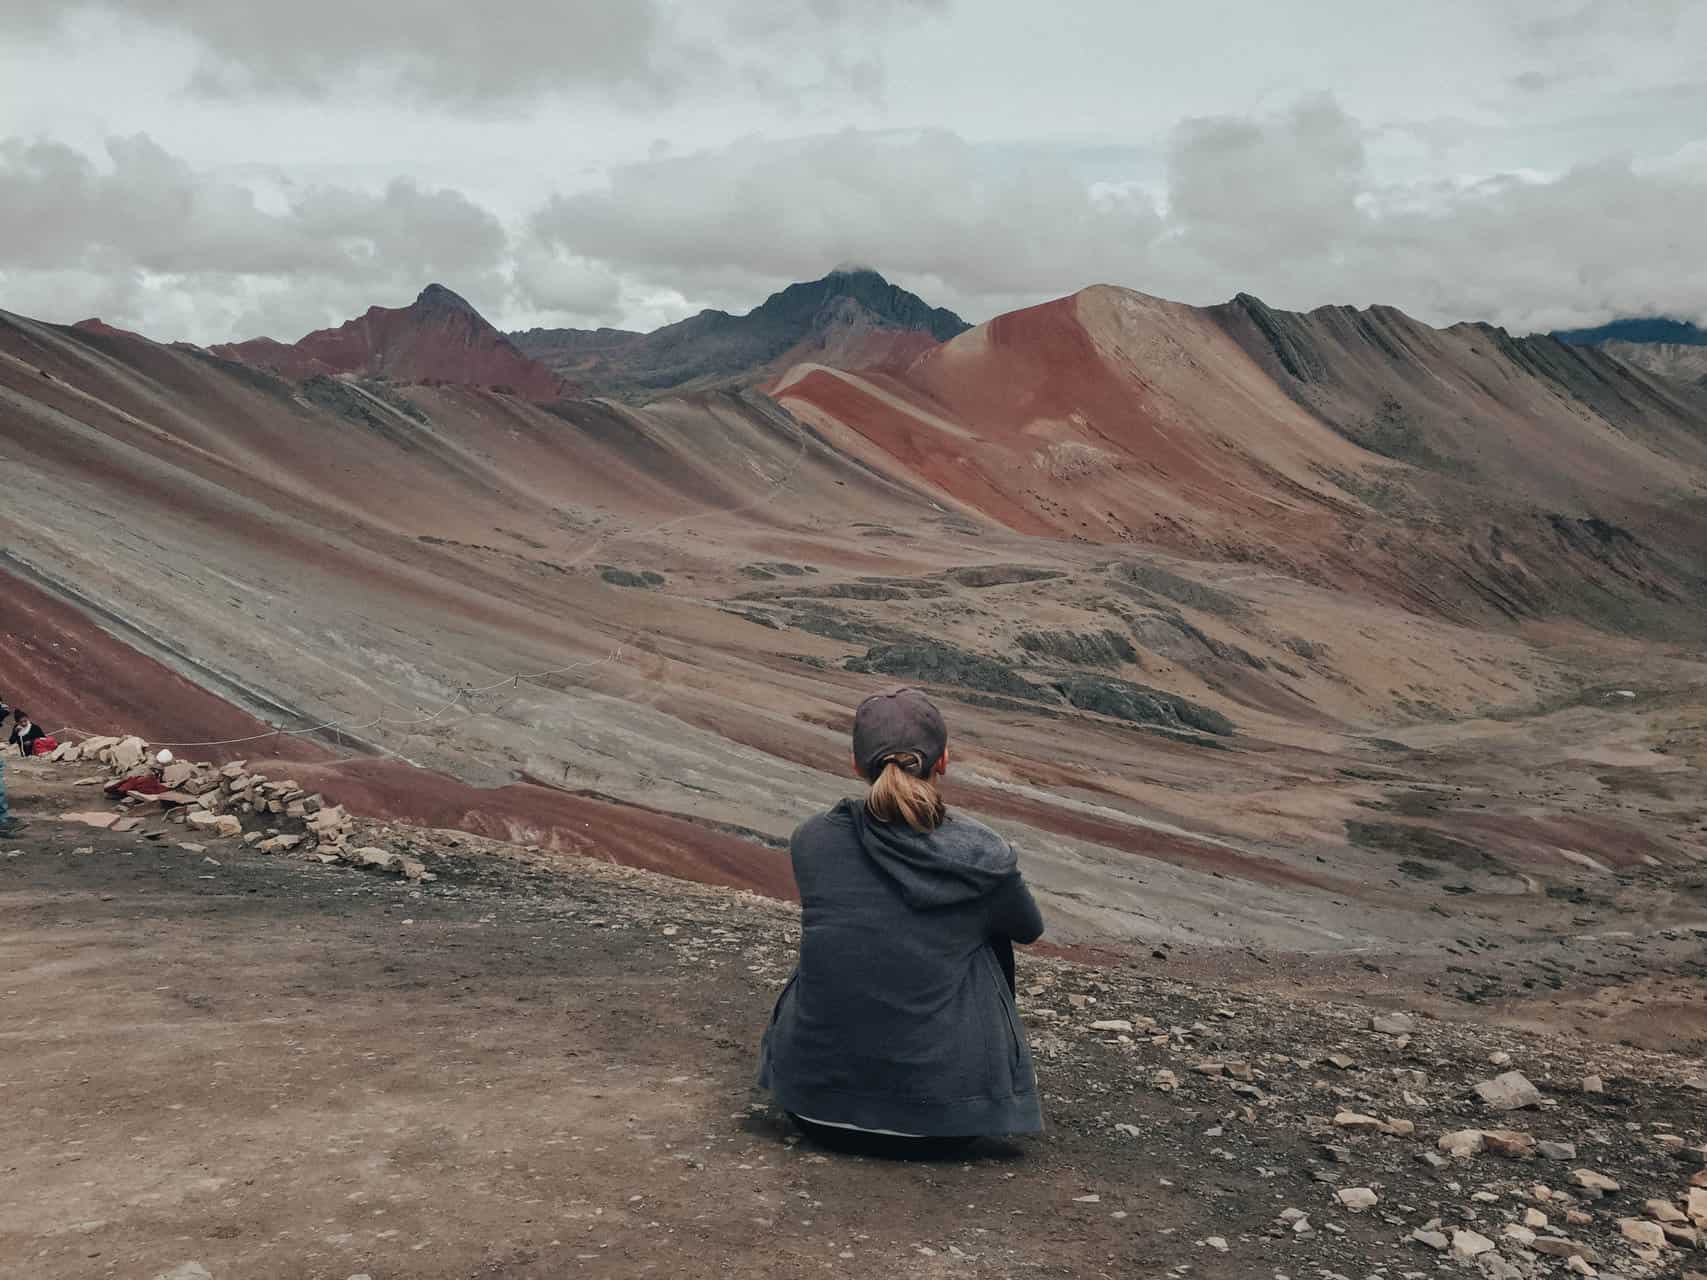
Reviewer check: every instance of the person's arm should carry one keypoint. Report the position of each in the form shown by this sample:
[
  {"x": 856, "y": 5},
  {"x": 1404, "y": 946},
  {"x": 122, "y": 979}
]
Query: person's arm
[{"x": 1013, "y": 912}]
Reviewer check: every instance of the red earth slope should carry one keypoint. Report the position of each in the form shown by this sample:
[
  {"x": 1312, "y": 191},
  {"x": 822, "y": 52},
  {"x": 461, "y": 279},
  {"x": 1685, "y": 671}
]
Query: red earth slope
[
  {"x": 1523, "y": 473},
  {"x": 439, "y": 338}
]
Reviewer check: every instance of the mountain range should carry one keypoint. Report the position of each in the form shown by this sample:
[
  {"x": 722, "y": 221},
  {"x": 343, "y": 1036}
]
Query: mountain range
[
  {"x": 1210, "y": 591},
  {"x": 851, "y": 317},
  {"x": 1675, "y": 348}
]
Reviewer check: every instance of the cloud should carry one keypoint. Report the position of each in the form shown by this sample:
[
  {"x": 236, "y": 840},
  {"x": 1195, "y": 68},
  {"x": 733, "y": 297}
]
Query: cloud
[
  {"x": 1284, "y": 205},
  {"x": 485, "y": 58},
  {"x": 146, "y": 235},
  {"x": 922, "y": 206}
]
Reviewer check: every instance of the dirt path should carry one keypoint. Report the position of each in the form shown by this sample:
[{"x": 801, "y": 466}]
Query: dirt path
[{"x": 277, "y": 1069}]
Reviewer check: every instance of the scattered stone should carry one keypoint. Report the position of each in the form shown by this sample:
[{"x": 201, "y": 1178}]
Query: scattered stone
[
  {"x": 1357, "y": 1199},
  {"x": 1593, "y": 1084},
  {"x": 1556, "y": 1150},
  {"x": 1639, "y": 1231},
  {"x": 1664, "y": 1211},
  {"x": 414, "y": 869},
  {"x": 1435, "y": 1240},
  {"x": 1589, "y": 1180},
  {"x": 99, "y": 821},
  {"x": 1534, "y": 1219},
  {"x": 1471, "y": 1244},
  {"x": 1523, "y": 1235},
  {"x": 1463, "y": 1144},
  {"x": 1112, "y": 1024},
  {"x": 1129, "y": 1130},
  {"x": 1509, "y": 1092},
  {"x": 378, "y": 859},
  {"x": 1579, "y": 1266},
  {"x": 188, "y": 847},
  {"x": 1339, "y": 1062},
  {"x": 1559, "y": 1247},
  {"x": 1500, "y": 1059},
  {"x": 1217, "y": 1243},
  {"x": 1356, "y": 1121},
  {"x": 1393, "y": 1024},
  {"x": 1509, "y": 1143},
  {"x": 186, "y": 1271},
  {"x": 1165, "y": 1080},
  {"x": 1696, "y": 1206},
  {"x": 128, "y": 754}
]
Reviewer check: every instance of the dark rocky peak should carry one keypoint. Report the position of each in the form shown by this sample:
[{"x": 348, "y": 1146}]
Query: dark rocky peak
[
  {"x": 893, "y": 307},
  {"x": 435, "y": 297}
]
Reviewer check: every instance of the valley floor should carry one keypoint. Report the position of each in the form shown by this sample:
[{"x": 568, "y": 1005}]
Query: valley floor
[{"x": 541, "y": 1067}]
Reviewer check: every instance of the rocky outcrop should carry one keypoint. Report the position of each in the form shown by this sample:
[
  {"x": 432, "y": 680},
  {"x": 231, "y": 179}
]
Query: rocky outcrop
[
  {"x": 1084, "y": 649},
  {"x": 933, "y": 663},
  {"x": 1133, "y": 702}
]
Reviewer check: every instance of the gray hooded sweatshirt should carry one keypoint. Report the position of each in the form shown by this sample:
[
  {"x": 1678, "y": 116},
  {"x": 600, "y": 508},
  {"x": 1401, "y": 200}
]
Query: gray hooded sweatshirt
[{"x": 899, "y": 1016}]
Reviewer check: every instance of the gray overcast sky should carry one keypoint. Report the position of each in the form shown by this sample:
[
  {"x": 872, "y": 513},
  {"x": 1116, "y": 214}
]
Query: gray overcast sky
[{"x": 211, "y": 169}]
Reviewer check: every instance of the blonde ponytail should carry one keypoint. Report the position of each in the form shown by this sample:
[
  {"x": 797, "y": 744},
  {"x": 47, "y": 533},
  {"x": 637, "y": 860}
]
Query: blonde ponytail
[{"x": 898, "y": 793}]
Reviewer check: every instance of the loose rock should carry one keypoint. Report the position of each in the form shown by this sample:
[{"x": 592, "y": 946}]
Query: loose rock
[
  {"x": 1470, "y": 1244},
  {"x": 1509, "y": 1092}
]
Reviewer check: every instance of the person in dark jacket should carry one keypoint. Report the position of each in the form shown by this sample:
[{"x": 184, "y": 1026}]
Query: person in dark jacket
[
  {"x": 24, "y": 733},
  {"x": 900, "y": 1018}
]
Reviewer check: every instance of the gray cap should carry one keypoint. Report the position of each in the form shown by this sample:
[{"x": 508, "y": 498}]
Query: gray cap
[{"x": 904, "y": 720}]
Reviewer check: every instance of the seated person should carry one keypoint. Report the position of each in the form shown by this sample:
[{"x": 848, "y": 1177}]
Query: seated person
[
  {"x": 900, "y": 1020},
  {"x": 25, "y": 734}
]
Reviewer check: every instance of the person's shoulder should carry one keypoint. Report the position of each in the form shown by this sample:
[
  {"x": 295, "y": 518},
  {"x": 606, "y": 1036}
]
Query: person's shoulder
[
  {"x": 833, "y": 821},
  {"x": 976, "y": 842}
]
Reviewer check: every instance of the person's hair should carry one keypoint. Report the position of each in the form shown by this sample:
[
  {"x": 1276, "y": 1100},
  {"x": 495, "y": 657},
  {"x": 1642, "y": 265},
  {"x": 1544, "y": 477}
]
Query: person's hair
[{"x": 899, "y": 794}]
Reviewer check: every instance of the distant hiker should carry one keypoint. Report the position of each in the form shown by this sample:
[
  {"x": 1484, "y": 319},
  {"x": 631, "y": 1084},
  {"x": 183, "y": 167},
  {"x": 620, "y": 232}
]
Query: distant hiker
[
  {"x": 898, "y": 1029},
  {"x": 25, "y": 734}
]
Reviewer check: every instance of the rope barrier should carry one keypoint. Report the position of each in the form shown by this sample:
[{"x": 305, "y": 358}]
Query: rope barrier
[{"x": 339, "y": 728}]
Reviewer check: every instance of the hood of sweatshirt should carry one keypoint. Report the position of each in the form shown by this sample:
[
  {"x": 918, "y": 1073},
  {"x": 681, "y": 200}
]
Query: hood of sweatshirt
[{"x": 959, "y": 861}]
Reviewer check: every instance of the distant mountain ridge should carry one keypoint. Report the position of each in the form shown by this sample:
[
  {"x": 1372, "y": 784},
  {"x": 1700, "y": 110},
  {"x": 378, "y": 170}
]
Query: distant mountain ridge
[
  {"x": 1674, "y": 348},
  {"x": 1637, "y": 329},
  {"x": 439, "y": 338},
  {"x": 848, "y": 315}
]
